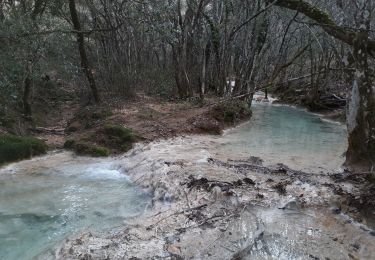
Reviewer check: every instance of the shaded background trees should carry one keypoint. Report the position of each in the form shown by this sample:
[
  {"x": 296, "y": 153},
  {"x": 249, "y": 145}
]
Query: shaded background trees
[{"x": 304, "y": 51}]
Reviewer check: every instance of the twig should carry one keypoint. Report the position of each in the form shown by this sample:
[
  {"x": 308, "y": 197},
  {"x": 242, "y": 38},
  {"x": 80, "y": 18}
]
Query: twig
[
  {"x": 187, "y": 199},
  {"x": 177, "y": 213}
]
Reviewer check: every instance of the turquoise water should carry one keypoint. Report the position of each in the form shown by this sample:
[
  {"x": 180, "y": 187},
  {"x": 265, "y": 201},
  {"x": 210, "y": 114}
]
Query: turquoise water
[
  {"x": 44, "y": 200},
  {"x": 285, "y": 134}
]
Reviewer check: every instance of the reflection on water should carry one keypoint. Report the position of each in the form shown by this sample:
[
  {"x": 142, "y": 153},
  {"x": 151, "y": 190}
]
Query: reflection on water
[
  {"x": 288, "y": 135},
  {"x": 43, "y": 200}
]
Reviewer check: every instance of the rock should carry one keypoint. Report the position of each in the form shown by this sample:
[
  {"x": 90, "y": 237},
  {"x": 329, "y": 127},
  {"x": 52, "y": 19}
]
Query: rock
[
  {"x": 237, "y": 183},
  {"x": 292, "y": 204},
  {"x": 255, "y": 160},
  {"x": 216, "y": 192},
  {"x": 336, "y": 210},
  {"x": 281, "y": 168},
  {"x": 174, "y": 249},
  {"x": 356, "y": 246},
  {"x": 172, "y": 239},
  {"x": 280, "y": 187},
  {"x": 248, "y": 181},
  {"x": 352, "y": 256},
  {"x": 198, "y": 183}
]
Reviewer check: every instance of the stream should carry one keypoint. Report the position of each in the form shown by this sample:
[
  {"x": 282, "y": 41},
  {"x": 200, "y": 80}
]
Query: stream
[
  {"x": 46, "y": 199},
  {"x": 299, "y": 139}
]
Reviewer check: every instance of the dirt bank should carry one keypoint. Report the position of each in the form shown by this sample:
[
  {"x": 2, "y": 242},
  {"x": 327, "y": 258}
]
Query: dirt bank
[{"x": 148, "y": 118}]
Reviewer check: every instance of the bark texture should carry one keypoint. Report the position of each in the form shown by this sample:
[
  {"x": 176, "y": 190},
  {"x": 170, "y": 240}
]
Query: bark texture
[{"x": 82, "y": 51}]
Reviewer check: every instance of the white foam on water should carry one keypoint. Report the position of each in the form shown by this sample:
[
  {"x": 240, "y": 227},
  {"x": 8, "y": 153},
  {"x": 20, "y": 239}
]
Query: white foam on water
[{"x": 45, "y": 199}]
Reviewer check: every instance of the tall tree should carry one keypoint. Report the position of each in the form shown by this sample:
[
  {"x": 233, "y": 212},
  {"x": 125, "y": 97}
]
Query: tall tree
[
  {"x": 28, "y": 82},
  {"x": 361, "y": 106},
  {"x": 82, "y": 51}
]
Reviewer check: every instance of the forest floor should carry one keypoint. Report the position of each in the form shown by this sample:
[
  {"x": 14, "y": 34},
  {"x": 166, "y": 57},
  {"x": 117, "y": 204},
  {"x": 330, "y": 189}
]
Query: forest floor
[{"x": 149, "y": 118}]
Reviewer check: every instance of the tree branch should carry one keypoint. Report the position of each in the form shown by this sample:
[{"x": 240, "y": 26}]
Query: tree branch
[
  {"x": 235, "y": 30},
  {"x": 325, "y": 22}
]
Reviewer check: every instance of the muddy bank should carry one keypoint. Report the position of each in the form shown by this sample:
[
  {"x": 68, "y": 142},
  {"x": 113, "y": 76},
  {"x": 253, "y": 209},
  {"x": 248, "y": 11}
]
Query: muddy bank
[
  {"x": 103, "y": 129},
  {"x": 113, "y": 129},
  {"x": 206, "y": 208},
  {"x": 149, "y": 118}
]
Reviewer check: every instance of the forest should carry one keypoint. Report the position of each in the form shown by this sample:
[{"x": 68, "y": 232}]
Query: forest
[{"x": 248, "y": 122}]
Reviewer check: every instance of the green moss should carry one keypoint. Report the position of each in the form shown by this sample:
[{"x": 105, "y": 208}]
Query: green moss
[
  {"x": 118, "y": 137},
  {"x": 82, "y": 148},
  {"x": 99, "y": 151},
  {"x": 126, "y": 147},
  {"x": 69, "y": 144},
  {"x": 14, "y": 148},
  {"x": 120, "y": 132},
  {"x": 231, "y": 111},
  {"x": 110, "y": 139}
]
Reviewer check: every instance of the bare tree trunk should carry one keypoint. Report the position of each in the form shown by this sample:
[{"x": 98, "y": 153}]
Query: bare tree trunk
[
  {"x": 164, "y": 56},
  {"x": 28, "y": 83},
  {"x": 27, "y": 91},
  {"x": 361, "y": 115},
  {"x": 203, "y": 83},
  {"x": 179, "y": 73},
  {"x": 206, "y": 58},
  {"x": 82, "y": 51}
]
